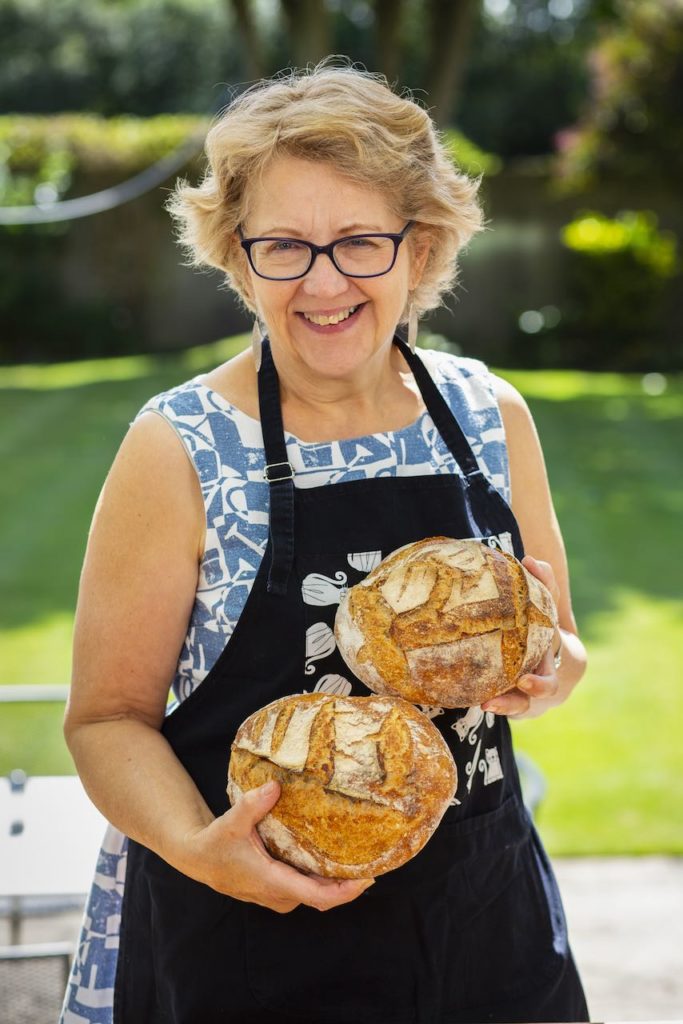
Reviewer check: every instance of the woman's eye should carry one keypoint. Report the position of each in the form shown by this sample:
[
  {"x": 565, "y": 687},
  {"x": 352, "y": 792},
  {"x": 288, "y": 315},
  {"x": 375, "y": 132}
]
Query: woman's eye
[
  {"x": 283, "y": 245},
  {"x": 359, "y": 243}
]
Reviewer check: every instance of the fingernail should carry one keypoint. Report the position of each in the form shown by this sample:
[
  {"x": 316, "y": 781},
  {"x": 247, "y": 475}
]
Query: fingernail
[{"x": 267, "y": 789}]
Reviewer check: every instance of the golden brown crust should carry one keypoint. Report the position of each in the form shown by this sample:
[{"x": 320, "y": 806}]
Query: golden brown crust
[
  {"x": 365, "y": 781},
  {"x": 446, "y": 622}
]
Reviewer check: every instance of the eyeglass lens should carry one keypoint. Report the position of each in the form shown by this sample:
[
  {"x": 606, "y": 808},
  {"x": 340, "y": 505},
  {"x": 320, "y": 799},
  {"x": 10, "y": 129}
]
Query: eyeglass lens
[{"x": 359, "y": 256}]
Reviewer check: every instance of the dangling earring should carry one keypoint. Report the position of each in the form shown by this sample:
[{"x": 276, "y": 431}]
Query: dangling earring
[
  {"x": 412, "y": 328},
  {"x": 257, "y": 344}
]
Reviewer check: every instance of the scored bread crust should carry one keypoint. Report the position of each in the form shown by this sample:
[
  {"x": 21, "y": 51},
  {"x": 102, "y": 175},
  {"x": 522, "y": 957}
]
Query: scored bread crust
[
  {"x": 364, "y": 781},
  {"x": 445, "y": 622}
]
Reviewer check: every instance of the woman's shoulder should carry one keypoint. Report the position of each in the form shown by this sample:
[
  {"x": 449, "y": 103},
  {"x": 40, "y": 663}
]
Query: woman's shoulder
[
  {"x": 217, "y": 435},
  {"x": 185, "y": 399},
  {"x": 215, "y": 391},
  {"x": 463, "y": 379}
]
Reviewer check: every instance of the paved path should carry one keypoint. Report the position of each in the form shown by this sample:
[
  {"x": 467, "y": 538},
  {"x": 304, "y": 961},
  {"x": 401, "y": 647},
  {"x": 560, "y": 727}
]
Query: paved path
[
  {"x": 626, "y": 926},
  {"x": 625, "y": 920}
]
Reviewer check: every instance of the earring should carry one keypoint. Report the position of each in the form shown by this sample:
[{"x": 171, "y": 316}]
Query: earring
[
  {"x": 257, "y": 344},
  {"x": 412, "y": 328}
]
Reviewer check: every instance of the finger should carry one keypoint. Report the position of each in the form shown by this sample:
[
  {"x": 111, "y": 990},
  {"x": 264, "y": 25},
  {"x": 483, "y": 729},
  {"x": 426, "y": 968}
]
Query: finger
[
  {"x": 314, "y": 891},
  {"x": 544, "y": 572},
  {"x": 341, "y": 892},
  {"x": 539, "y": 686},
  {"x": 252, "y": 806},
  {"x": 512, "y": 703},
  {"x": 541, "y": 570},
  {"x": 282, "y": 906}
]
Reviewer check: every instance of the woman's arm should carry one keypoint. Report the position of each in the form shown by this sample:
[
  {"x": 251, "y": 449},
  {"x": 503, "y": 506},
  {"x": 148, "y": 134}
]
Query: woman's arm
[
  {"x": 533, "y": 508},
  {"x": 136, "y": 595}
]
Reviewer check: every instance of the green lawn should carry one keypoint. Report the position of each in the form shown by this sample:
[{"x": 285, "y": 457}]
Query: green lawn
[{"x": 612, "y": 756}]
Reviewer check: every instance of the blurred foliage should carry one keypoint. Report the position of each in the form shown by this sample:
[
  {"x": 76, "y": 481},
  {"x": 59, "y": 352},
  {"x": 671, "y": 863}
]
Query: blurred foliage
[
  {"x": 527, "y": 77},
  {"x": 469, "y": 157},
  {"x": 632, "y": 126},
  {"x": 90, "y": 145},
  {"x": 45, "y": 176},
  {"x": 520, "y": 78},
  {"x": 617, "y": 273},
  {"x": 109, "y": 57},
  {"x": 633, "y": 232}
]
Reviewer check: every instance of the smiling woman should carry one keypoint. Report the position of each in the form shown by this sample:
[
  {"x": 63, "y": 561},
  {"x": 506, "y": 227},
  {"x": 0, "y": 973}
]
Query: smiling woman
[
  {"x": 329, "y": 306},
  {"x": 240, "y": 507}
]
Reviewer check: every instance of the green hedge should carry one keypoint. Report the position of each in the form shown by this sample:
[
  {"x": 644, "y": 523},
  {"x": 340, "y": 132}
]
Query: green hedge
[
  {"x": 70, "y": 150},
  {"x": 618, "y": 272}
]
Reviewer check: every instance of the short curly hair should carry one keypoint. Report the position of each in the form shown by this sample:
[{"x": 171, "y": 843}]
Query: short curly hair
[{"x": 354, "y": 121}]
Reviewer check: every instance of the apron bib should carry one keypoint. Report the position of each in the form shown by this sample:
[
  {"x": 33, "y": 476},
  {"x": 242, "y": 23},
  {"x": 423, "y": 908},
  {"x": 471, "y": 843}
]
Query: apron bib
[{"x": 471, "y": 928}]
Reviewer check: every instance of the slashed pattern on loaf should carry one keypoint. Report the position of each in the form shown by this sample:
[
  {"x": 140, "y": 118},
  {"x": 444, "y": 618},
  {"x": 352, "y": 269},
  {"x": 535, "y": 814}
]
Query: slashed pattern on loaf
[
  {"x": 445, "y": 621},
  {"x": 365, "y": 780}
]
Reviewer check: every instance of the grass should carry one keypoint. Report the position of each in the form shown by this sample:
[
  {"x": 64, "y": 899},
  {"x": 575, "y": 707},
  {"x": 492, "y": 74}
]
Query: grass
[{"x": 612, "y": 756}]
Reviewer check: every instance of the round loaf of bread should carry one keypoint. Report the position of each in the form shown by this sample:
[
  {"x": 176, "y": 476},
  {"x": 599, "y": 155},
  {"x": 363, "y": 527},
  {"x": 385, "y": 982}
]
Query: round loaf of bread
[
  {"x": 365, "y": 781},
  {"x": 445, "y": 622}
]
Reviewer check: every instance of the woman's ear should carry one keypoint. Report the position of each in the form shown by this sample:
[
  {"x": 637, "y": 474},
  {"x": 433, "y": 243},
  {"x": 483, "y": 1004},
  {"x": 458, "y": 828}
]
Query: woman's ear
[
  {"x": 420, "y": 253},
  {"x": 241, "y": 271}
]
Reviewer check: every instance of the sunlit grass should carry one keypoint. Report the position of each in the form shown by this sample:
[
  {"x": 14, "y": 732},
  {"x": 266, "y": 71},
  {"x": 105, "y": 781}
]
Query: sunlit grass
[
  {"x": 612, "y": 755},
  {"x": 51, "y": 376}
]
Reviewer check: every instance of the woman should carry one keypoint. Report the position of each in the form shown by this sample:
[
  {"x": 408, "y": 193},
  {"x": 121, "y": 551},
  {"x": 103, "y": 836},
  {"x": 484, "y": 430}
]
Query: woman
[{"x": 336, "y": 214}]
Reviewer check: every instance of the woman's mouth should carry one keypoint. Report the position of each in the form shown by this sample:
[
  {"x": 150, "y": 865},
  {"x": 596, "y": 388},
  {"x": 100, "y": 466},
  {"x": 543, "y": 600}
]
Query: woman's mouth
[{"x": 334, "y": 320}]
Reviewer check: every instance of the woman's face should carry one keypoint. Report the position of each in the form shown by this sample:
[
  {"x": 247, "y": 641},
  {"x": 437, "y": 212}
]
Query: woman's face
[{"x": 311, "y": 201}]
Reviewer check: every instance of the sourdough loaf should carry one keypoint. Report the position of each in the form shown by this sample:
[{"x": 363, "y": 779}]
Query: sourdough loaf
[
  {"x": 445, "y": 622},
  {"x": 365, "y": 781}
]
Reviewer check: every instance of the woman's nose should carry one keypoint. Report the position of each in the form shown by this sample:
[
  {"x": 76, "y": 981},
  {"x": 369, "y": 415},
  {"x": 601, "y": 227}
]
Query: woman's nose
[{"x": 323, "y": 278}]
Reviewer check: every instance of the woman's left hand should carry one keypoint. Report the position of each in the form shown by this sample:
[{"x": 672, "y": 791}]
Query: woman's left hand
[{"x": 542, "y": 684}]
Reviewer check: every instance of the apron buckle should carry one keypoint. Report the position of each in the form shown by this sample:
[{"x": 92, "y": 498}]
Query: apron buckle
[{"x": 280, "y": 473}]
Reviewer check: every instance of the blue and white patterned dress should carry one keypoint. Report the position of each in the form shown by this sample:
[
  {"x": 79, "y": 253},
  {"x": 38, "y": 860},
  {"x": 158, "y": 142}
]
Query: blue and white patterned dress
[{"x": 226, "y": 449}]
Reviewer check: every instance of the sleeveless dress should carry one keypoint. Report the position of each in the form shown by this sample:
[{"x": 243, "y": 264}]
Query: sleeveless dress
[{"x": 226, "y": 449}]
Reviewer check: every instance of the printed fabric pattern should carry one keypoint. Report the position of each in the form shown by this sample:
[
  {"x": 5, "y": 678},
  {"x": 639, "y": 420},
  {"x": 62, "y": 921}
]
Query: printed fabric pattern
[{"x": 226, "y": 449}]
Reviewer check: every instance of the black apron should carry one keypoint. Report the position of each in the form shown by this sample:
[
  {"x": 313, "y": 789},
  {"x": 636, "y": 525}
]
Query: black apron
[{"x": 472, "y": 928}]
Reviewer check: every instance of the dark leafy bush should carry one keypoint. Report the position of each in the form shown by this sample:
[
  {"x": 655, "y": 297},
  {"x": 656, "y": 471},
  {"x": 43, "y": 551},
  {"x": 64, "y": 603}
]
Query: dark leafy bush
[
  {"x": 631, "y": 128},
  {"x": 618, "y": 272}
]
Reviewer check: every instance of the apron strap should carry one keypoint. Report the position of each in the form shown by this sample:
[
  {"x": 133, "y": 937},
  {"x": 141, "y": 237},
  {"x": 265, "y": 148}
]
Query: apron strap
[
  {"x": 279, "y": 474},
  {"x": 437, "y": 407}
]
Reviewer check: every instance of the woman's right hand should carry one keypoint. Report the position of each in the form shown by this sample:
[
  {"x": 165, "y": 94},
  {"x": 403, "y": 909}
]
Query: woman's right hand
[{"x": 229, "y": 856}]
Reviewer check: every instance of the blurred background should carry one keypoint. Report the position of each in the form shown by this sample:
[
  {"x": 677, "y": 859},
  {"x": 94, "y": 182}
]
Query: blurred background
[{"x": 570, "y": 110}]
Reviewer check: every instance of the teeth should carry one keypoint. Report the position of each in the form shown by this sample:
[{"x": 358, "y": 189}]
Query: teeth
[{"x": 336, "y": 318}]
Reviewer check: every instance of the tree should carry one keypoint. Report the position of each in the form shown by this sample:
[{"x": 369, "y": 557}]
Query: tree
[
  {"x": 445, "y": 25},
  {"x": 451, "y": 23},
  {"x": 631, "y": 128},
  {"x": 249, "y": 31}
]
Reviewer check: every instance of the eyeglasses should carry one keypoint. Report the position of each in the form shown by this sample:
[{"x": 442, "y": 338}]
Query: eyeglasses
[{"x": 286, "y": 259}]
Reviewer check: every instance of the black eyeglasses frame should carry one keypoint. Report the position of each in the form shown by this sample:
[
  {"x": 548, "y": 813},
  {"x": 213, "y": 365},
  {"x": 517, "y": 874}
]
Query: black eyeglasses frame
[{"x": 327, "y": 250}]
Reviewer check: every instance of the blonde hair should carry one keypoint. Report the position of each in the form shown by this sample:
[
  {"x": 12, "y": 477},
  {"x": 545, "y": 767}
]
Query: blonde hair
[{"x": 352, "y": 120}]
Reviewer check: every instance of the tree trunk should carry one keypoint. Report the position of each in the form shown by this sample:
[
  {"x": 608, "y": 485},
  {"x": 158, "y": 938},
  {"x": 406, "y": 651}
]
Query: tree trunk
[
  {"x": 449, "y": 32},
  {"x": 308, "y": 28},
  {"x": 388, "y": 15},
  {"x": 243, "y": 13}
]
